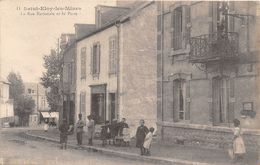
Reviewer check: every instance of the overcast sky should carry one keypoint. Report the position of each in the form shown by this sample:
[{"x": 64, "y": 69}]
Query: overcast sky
[{"x": 25, "y": 39}]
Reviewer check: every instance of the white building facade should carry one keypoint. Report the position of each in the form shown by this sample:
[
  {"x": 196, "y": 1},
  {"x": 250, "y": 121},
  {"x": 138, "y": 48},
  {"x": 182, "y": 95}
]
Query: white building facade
[
  {"x": 6, "y": 104},
  {"x": 116, "y": 69}
]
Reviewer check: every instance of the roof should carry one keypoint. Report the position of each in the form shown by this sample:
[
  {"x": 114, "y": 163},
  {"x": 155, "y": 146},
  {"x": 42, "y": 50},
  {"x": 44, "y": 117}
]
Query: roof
[
  {"x": 83, "y": 29},
  {"x": 120, "y": 19}
]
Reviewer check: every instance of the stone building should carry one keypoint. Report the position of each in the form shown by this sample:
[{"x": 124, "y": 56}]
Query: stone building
[
  {"x": 207, "y": 71},
  {"x": 116, "y": 65},
  {"x": 38, "y": 94}
]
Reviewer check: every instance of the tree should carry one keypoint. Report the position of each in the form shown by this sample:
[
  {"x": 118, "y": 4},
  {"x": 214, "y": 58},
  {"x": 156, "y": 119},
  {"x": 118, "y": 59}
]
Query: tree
[
  {"x": 51, "y": 78},
  {"x": 23, "y": 105},
  {"x": 16, "y": 88}
]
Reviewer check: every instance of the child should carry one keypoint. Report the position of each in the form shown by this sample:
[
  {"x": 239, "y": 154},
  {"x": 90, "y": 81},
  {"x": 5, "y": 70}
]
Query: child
[
  {"x": 141, "y": 132},
  {"x": 46, "y": 126},
  {"x": 147, "y": 142},
  {"x": 238, "y": 142},
  {"x": 126, "y": 135}
]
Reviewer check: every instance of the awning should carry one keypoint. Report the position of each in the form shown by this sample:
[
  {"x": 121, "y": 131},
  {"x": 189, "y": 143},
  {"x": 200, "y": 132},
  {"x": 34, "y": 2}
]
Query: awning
[
  {"x": 50, "y": 114},
  {"x": 46, "y": 115},
  {"x": 54, "y": 114}
]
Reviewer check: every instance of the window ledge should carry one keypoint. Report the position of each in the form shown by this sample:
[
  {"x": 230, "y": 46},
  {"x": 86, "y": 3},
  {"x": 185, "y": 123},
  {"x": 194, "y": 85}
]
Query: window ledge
[
  {"x": 206, "y": 127},
  {"x": 180, "y": 52},
  {"x": 95, "y": 76},
  {"x": 112, "y": 74}
]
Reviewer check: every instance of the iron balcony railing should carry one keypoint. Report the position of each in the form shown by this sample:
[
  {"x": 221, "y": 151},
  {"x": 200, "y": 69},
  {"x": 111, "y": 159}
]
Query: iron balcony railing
[{"x": 214, "y": 46}]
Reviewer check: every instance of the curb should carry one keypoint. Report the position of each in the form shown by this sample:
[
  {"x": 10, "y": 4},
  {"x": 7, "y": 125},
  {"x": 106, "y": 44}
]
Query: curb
[{"x": 127, "y": 155}]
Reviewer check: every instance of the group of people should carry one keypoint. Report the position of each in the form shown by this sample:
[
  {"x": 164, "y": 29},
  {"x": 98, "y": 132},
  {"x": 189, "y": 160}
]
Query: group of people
[
  {"x": 144, "y": 135},
  {"x": 117, "y": 132},
  {"x": 144, "y": 138},
  {"x": 64, "y": 129}
]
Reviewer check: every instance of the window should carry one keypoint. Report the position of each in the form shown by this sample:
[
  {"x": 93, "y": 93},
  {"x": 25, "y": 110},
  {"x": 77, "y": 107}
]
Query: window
[
  {"x": 32, "y": 91},
  {"x": 95, "y": 62},
  {"x": 83, "y": 63},
  {"x": 180, "y": 23},
  {"x": 177, "y": 28},
  {"x": 29, "y": 91},
  {"x": 112, "y": 55},
  {"x": 180, "y": 95}
]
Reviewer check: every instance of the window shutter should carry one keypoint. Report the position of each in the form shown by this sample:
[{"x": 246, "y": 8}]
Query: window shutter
[
  {"x": 231, "y": 113},
  {"x": 110, "y": 55},
  {"x": 116, "y": 55},
  {"x": 187, "y": 26},
  {"x": 91, "y": 60},
  {"x": 210, "y": 99},
  {"x": 187, "y": 101},
  {"x": 172, "y": 28},
  {"x": 177, "y": 28},
  {"x": 98, "y": 58},
  {"x": 231, "y": 19},
  {"x": 83, "y": 62},
  {"x": 168, "y": 101},
  {"x": 175, "y": 99}
]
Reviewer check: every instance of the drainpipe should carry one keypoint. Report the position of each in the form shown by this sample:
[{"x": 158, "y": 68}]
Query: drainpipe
[
  {"x": 162, "y": 63},
  {"x": 117, "y": 24}
]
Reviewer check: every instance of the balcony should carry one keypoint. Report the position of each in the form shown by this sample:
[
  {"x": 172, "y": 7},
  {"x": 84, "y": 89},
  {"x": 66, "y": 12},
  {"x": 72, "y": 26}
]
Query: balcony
[{"x": 214, "y": 47}]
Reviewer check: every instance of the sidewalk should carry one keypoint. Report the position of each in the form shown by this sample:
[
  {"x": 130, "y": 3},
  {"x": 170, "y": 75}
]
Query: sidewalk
[{"x": 174, "y": 154}]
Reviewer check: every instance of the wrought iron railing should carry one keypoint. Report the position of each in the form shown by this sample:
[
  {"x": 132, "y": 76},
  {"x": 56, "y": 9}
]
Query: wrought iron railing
[{"x": 214, "y": 46}]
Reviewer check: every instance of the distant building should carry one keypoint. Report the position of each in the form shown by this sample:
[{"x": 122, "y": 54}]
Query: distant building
[
  {"x": 6, "y": 104},
  {"x": 38, "y": 93},
  {"x": 116, "y": 65},
  {"x": 208, "y": 71}
]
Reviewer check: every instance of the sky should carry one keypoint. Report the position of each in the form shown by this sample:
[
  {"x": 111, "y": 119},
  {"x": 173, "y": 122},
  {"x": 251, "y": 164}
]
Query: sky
[{"x": 25, "y": 38}]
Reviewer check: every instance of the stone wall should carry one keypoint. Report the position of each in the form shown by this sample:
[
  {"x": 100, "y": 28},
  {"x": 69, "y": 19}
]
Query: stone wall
[{"x": 206, "y": 136}]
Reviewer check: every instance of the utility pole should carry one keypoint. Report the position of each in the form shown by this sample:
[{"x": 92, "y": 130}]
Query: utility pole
[{"x": 60, "y": 91}]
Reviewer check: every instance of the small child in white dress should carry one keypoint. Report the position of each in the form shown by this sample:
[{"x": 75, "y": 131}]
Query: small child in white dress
[
  {"x": 238, "y": 143},
  {"x": 147, "y": 142}
]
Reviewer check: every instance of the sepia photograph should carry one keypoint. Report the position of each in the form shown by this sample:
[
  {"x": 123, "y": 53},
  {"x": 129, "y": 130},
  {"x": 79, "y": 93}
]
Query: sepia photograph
[{"x": 129, "y": 82}]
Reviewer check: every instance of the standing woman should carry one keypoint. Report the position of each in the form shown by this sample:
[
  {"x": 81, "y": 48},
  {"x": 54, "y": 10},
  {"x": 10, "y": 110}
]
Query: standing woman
[
  {"x": 141, "y": 132},
  {"x": 238, "y": 142},
  {"x": 91, "y": 129}
]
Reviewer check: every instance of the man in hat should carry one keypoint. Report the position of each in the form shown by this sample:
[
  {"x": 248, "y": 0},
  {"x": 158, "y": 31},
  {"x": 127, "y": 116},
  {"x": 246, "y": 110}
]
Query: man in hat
[
  {"x": 64, "y": 134},
  {"x": 79, "y": 129}
]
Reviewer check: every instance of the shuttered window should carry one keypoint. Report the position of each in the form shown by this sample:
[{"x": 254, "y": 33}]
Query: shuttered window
[
  {"x": 180, "y": 23},
  {"x": 112, "y": 55},
  {"x": 83, "y": 63},
  {"x": 181, "y": 105},
  {"x": 95, "y": 59},
  {"x": 177, "y": 28}
]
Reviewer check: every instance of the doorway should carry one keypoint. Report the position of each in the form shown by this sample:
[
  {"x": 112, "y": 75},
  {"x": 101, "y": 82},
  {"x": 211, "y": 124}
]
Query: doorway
[{"x": 98, "y": 107}]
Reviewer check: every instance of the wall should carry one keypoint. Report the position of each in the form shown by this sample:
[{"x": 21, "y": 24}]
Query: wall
[
  {"x": 138, "y": 68},
  {"x": 244, "y": 73}
]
